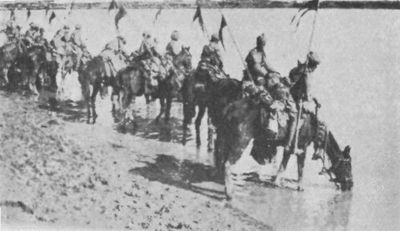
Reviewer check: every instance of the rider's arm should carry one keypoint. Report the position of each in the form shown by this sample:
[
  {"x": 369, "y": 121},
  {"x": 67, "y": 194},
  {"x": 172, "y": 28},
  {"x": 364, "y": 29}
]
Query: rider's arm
[{"x": 269, "y": 67}]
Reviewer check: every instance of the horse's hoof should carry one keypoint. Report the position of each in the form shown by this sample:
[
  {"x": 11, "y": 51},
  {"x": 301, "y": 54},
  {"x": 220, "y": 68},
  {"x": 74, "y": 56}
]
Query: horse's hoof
[
  {"x": 300, "y": 188},
  {"x": 277, "y": 182}
]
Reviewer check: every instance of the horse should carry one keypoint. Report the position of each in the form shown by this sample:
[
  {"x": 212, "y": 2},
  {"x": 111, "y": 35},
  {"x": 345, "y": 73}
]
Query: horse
[
  {"x": 26, "y": 68},
  {"x": 9, "y": 52},
  {"x": 206, "y": 91},
  {"x": 94, "y": 76},
  {"x": 170, "y": 86},
  {"x": 242, "y": 123},
  {"x": 165, "y": 83}
]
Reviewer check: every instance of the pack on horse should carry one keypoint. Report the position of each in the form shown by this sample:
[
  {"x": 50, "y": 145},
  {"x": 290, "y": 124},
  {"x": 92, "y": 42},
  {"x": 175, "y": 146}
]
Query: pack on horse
[
  {"x": 165, "y": 79},
  {"x": 242, "y": 122}
]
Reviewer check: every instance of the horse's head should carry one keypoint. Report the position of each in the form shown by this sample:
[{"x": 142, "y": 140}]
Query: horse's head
[
  {"x": 184, "y": 58},
  {"x": 340, "y": 159},
  {"x": 343, "y": 170}
]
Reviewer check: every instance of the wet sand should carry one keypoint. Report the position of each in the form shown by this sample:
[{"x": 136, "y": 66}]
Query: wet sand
[{"x": 58, "y": 173}]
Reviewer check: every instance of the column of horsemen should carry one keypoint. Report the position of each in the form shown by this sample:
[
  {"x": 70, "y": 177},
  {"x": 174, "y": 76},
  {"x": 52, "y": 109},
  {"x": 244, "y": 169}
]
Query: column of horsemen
[{"x": 261, "y": 81}]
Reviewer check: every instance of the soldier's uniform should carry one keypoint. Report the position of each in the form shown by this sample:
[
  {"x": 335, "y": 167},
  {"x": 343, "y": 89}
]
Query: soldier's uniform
[
  {"x": 300, "y": 90},
  {"x": 145, "y": 50},
  {"x": 114, "y": 55},
  {"x": 61, "y": 40},
  {"x": 77, "y": 44},
  {"x": 301, "y": 75},
  {"x": 12, "y": 31},
  {"x": 32, "y": 34},
  {"x": 257, "y": 63},
  {"x": 211, "y": 53},
  {"x": 174, "y": 47}
]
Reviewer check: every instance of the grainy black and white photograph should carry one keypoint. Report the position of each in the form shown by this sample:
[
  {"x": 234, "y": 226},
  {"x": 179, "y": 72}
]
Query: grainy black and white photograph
[{"x": 200, "y": 115}]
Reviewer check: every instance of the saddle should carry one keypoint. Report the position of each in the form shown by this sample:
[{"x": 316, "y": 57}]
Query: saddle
[{"x": 214, "y": 72}]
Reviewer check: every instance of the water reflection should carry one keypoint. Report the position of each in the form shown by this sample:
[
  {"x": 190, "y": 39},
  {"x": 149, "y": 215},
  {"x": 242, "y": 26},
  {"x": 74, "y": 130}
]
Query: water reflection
[{"x": 285, "y": 209}]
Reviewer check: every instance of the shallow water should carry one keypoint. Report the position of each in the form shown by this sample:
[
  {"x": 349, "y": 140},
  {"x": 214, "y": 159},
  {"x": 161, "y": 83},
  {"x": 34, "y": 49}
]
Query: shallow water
[{"x": 357, "y": 84}]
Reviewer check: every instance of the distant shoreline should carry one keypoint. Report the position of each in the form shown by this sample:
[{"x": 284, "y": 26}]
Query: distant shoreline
[{"x": 225, "y": 4}]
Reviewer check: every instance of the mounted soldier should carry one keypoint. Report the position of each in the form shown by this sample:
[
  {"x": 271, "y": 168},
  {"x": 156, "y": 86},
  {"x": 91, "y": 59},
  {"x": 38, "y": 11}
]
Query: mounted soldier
[
  {"x": 272, "y": 91},
  {"x": 40, "y": 40},
  {"x": 12, "y": 31},
  {"x": 211, "y": 59},
  {"x": 174, "y": 46},
  {"x": 31, "y": 34},
  {"x": 257, "y": 62},
  {"x": 61, "y": 40},
  {"x": 114, "y": 55},
  {"x": 145, "y": 49},
  {"x": 78, "y": 45},
  {"x": 301, "y": 75}
]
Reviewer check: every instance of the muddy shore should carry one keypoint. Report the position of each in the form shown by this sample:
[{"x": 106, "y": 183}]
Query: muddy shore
[{"x": 70, "y": 175}]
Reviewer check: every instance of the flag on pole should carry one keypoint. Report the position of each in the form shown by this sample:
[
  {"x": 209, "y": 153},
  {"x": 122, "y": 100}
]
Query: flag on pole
[
  {"x": 52, "y": 16},
  {"x": 113, "y": 5},
  {"x": 221, "y": 28},
  {"x": 28, "y": 13},
  {"x": 71, "y": 7},
  {"x": 47, "y": 8},
  {"x": 157, "y": 15},
  {"x": 306, "y": 7},
  {"x": 121, "y": 13},
  {"x": 12, "y": 14},
  {"x": 198, "y": 15}
]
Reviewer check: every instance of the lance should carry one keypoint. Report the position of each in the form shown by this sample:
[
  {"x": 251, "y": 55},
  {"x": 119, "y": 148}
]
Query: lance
[{"x": 296, "y": 137}]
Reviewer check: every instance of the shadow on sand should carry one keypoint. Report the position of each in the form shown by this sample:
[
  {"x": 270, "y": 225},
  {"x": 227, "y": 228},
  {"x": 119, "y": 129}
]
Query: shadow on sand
[
  {"x": 68, "y": 111},
  {"x": 149, "y": 128},
  {"x": 185, "y": 174}
]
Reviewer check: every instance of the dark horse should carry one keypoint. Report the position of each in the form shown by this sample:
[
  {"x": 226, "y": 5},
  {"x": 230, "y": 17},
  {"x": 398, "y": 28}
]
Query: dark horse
[
  {"x": 9, "y": 52},
  {"x": 131, "y": 83},
  {"x": 170, "y": 86},
  {"x": 209, "y": 92},
  {"x": 26, "y": 69},
  {"x": 242, "y": 123},
  {"x": 93, "y": 78}
]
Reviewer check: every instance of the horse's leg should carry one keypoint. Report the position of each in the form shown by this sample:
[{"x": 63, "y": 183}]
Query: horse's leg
[
  {"x": 128, "y": 105},
  {"x": 162, "y": 108},
  {"x": 210, "y": 134},
  {"x": 86, "y": 90},
  {"x": 5, "y": 76},
  {"x": 114, "y": 102},
  {"x": 187, "y": 117},
  {"x": 300, "y": 166},
  {"x": 168, "y": 108},
  {"x": 219, "y": 154},
  {"x": 185, "y": 122},
  {"x": 282, "y": 167},
  {"x": 228, "y": 181},
  {"x": 147, "y": 97},
  {"x": 32, "y": 84},
  {"x": 96, "y": 89},
  {"x": 202, "y": 109}
]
